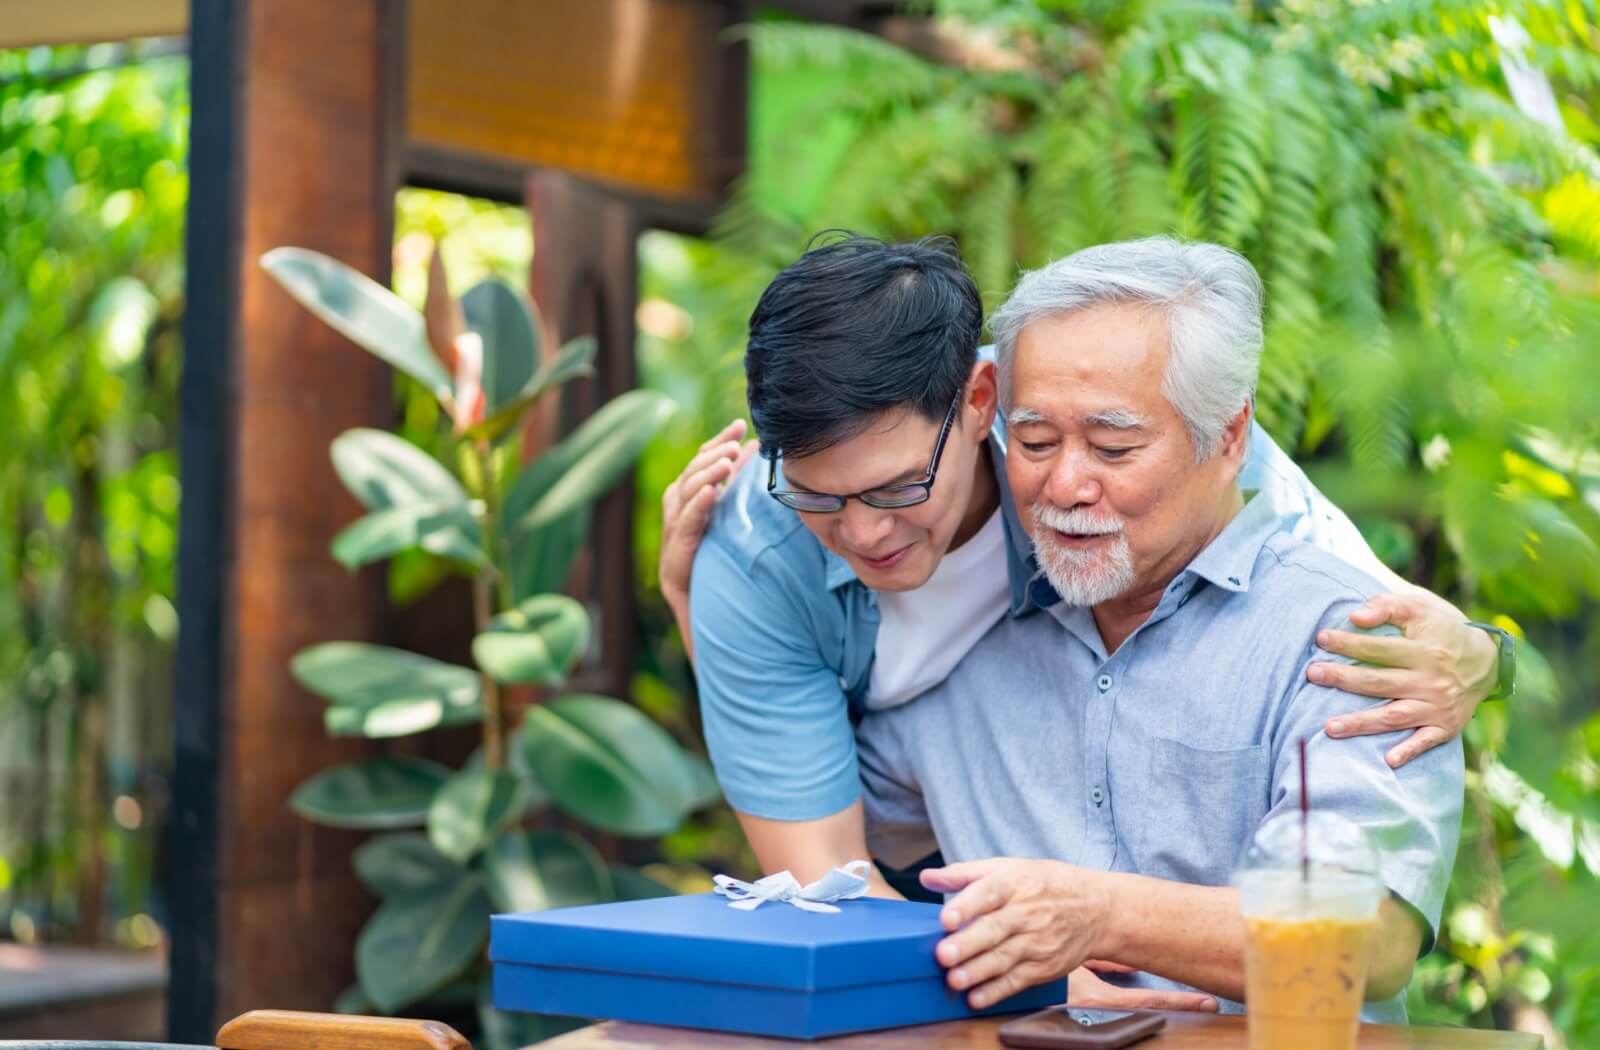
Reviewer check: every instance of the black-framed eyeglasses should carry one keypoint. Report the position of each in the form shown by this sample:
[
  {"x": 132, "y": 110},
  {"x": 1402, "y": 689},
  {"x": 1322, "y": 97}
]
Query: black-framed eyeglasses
[{"x": 890, "y": 497}]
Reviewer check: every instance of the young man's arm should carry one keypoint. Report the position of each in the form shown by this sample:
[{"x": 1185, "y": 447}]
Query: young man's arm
[
  {"x": 810, "y": 847},
  {"x": 775, "y": 715},
  {"x": 1434, "y": 674}
]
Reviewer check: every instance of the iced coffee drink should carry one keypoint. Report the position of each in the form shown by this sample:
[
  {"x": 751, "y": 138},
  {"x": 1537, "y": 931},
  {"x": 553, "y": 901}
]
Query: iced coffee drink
[{"x": 1309, "y": 922}]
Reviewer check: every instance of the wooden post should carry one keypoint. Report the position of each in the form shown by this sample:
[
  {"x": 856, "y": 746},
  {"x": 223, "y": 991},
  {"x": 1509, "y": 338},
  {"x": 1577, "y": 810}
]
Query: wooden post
[
  {"x": 291, "y": 144},
  {"x": 585, "y": 277}
]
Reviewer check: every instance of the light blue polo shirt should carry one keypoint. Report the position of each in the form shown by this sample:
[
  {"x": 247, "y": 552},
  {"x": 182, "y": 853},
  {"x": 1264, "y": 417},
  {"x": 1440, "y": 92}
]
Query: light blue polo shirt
[{"x": 784, "y": 631}]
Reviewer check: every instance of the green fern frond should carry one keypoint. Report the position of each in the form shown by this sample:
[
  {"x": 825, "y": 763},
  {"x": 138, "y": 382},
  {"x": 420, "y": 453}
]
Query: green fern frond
[
  {"x": 870, "y": 60},
  {"x": 987, "y": 234}
]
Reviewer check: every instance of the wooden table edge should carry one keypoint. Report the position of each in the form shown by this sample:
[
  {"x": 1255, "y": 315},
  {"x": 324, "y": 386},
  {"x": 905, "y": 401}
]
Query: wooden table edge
[{"x": 1184, "y": 1031}]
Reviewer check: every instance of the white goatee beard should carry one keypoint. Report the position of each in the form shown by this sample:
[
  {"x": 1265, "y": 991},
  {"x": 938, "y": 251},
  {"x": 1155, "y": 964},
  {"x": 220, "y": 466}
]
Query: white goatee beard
[{"x": 1082, "y": 577}]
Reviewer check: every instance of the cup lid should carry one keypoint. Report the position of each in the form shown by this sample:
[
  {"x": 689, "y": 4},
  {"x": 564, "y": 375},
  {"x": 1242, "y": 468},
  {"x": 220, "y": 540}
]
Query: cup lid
[{"x": 1332, "y": 843}]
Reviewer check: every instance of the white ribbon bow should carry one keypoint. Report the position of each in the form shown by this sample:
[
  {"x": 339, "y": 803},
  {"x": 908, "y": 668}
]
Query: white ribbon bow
[{"x": 839, "y": 884}]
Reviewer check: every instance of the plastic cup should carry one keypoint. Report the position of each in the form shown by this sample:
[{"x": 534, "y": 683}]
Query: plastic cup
[{"x": 1308, "y": 931}]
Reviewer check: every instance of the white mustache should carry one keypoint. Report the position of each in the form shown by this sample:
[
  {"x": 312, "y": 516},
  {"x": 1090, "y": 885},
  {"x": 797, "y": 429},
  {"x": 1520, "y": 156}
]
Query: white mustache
[{"x": 1076, "y": 522}]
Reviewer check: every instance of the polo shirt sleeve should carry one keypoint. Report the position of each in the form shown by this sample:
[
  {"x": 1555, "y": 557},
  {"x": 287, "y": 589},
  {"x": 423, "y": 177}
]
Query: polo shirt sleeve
[
  {"x": 776, "y": 718},
  {"x": 1303, "y": 511},
  {"x": 1411, "y": 814}
]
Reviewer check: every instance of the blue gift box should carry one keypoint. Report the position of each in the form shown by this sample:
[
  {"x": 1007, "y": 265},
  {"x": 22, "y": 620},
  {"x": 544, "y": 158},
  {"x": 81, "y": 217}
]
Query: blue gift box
[{"x": 694, "y": 962}]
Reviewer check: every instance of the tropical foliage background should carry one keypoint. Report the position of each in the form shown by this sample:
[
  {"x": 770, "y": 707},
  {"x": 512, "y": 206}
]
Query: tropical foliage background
[{"x": 1426, "y": 216}]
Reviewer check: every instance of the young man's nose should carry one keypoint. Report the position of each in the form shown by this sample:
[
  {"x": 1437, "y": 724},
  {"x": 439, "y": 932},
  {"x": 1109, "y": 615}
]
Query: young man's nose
[{"x": 863, "y": 528}]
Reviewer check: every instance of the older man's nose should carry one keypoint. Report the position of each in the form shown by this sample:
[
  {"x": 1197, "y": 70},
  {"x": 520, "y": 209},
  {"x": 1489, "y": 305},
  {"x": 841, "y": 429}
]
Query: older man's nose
[{"x": 1070, "y": 485}]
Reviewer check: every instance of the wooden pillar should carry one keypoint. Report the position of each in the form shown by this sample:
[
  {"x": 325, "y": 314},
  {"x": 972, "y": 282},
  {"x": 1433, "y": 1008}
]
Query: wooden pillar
[
  {"x": 585, "y": 277},
  {"x": 291, "y": 144}
]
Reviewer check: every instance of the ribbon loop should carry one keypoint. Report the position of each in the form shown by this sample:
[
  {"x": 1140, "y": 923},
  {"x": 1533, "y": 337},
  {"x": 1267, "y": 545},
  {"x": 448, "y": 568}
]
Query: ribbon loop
[{"x": 844, "y": 883}]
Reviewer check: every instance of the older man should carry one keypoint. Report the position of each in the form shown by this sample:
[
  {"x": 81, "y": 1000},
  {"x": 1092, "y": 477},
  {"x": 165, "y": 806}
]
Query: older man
[{"x": 1137, "y": 734}]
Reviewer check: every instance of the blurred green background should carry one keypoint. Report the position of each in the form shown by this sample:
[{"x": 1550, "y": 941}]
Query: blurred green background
[{"x": 1418, "y": 183}]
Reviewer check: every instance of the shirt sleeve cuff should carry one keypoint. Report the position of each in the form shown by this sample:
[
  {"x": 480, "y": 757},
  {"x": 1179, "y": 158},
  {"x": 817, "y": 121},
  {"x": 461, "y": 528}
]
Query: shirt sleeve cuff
[{"x": 795, "y": 806}]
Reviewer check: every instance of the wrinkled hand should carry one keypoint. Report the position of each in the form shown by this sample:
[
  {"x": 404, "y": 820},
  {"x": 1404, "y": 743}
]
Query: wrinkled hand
[
  {"x": 1086, "y": 989},
  {"x": 686, "y": 507},
  {"x": 1436, "y": 673},
  {"x": 1015, "y": 924}
]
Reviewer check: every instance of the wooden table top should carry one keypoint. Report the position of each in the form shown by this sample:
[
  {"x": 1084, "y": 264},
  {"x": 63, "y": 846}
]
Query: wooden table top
[{"x": 1184, "y": 1031}]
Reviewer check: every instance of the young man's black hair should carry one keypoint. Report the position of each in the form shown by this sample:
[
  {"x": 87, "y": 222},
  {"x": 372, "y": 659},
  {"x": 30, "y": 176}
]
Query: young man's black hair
[{"x": 856, "y": 327}]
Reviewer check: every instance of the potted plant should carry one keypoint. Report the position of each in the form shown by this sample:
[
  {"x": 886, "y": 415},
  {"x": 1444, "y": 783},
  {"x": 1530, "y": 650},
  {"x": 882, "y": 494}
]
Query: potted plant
[{"x": 453, "y": 845}]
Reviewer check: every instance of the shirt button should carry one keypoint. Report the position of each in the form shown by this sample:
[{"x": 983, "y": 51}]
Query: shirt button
[
  {"x": 1098, "y": 796},
  {"x": 1104, "y": 682}
]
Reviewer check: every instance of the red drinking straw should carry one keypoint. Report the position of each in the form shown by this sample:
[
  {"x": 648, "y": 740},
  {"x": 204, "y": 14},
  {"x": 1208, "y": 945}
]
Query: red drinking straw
[{"x": 1305, "y": 818}]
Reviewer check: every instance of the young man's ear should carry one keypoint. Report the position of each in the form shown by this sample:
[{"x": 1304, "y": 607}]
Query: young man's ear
[{"x": 981, "y": 397}]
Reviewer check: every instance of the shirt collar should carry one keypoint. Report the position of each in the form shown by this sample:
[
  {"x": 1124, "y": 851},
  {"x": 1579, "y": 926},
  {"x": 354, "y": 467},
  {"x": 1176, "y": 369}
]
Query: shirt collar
[
  {"x": 838, "y": 571},
  {"x": 1228, "y": 560}
]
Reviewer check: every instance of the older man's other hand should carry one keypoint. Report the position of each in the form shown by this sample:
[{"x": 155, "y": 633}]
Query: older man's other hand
[
  {"x": 1434, "y": 675},
  {"x": 1085, "y": 988},
  {"x": 1016, "y": 923},
  {"x": 686, "y": 509}
]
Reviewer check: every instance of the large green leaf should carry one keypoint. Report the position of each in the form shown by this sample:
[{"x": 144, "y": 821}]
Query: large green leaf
[
  {"x": 510, "y": 340},
  {"x": 353, "y": 1001},
  {"x": 379, "y": 691},
  {"x": 534, "y": 643},
  {"x": 535, "y": 870},
  {"x": 513, "y": 1030},
  {"x": 384, "y": 470},
  {"x": 362, "y": 310},
  {"x": 418, "y": 940},
  {"x": 448, "y": 531},
  {"x": 588, "y": 462},
  {"x": 606, "y": 763},
  {"x": 472, "y": 806},
  {"x": 377, "y": 795},
  {"x": 393, "y": 718},
  {"x": 401, "y": 862},
  {"x": 631, "y": 884},
  {"x": 541, "y": 558},
  {"x": 705, "y": 790},
  {"x": 575, "y": 359}
]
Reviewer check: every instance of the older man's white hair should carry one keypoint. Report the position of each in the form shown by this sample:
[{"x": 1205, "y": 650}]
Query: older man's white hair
[{"x": 1211, "y": 299}]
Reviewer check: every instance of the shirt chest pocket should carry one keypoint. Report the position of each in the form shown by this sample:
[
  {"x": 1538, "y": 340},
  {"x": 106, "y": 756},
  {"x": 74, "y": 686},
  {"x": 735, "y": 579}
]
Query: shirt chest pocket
[{"x": 1200, "y": 808}]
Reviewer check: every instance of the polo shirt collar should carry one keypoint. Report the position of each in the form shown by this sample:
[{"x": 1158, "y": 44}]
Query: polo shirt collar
[{"x": 836, "y": 572}]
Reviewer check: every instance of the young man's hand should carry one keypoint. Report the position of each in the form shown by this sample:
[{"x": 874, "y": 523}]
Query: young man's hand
[
  {"x": 1434, "y": 675},
  {"x": 686, "y": 508}
]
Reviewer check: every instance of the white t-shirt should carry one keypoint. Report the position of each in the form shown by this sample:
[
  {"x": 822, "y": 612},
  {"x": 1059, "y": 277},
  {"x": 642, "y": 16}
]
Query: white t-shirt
[{"x": 925, "y": 632}]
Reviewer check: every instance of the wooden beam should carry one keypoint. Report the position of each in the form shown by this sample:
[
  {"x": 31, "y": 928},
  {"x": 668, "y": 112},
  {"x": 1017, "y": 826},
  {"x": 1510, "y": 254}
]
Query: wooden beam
[
  {"x": 291, "y": 145},
  {"x": 27, "y": 23}
]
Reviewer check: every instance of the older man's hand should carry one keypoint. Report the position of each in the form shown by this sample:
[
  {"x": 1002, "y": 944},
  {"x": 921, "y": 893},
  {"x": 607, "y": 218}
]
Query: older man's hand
[
  {"x": 1434, "y": 675},
  {"x": 1086, "y": 988},
  {"x": 1016, "y": 923},
  {"x": 686, "y": 509}
]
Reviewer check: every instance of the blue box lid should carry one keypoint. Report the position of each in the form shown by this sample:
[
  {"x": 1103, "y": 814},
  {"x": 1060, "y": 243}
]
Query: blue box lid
[{"x": 699, "y": 937}]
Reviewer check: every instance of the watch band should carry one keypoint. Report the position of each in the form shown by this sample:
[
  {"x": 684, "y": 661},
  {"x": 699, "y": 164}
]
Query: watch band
[{"x": 1506, "y": 681}]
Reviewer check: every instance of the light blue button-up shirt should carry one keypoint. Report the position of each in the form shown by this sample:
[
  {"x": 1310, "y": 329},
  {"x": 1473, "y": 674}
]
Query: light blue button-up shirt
[
  {"x": 784, "y": 631},
  {"x": 1163, "y": 757}
]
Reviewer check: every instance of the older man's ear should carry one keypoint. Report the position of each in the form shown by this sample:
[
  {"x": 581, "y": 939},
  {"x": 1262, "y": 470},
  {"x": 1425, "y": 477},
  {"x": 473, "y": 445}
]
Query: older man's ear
[{"x": 1235, "y": 439}]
